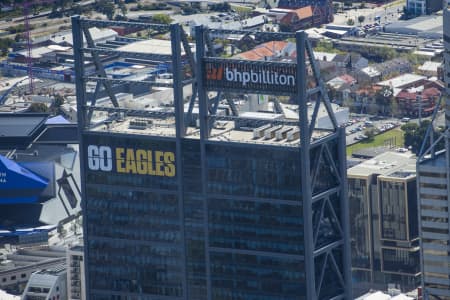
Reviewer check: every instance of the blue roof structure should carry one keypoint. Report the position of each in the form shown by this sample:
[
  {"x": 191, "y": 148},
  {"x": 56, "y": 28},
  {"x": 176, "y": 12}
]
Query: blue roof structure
[
  {"x": 18, "y": 184},
  {"x": 57, "y": 120}
]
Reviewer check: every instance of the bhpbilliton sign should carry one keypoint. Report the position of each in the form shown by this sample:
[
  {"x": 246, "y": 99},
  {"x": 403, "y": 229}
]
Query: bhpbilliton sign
[{"x": 262, "y": 77}]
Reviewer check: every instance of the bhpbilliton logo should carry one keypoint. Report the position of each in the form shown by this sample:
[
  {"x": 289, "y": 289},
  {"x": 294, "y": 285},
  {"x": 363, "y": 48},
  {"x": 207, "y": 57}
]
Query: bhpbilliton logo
[{"x": 249, "y": 76}]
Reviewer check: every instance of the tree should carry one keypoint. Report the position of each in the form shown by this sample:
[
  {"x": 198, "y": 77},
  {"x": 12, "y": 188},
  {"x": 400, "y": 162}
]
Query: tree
[
  {"x": 61, "y": 230},
  {"x": 336, "y": 7},
  {"x": 370, "y": 133},
  {"x": 394, "y": 109},
  {"x": 415, "y": 135},
  {"x": 123, "y": 8},
  {"x": 37, "y": 107},
  {"x": 383, "y": 99},
  {"x": 361, "y": 19},
  {"x": 109, "y": 9},
  {"x": 162, "y": 19},
  {"x": 56, "y": 104},
  {"x": 350, "y": 22},
  {"x": 5, "y": 43}
]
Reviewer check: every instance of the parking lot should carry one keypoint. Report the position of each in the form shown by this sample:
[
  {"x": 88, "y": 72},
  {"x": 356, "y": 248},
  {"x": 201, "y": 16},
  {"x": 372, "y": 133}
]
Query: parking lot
[{"x": 357, "y": 125}]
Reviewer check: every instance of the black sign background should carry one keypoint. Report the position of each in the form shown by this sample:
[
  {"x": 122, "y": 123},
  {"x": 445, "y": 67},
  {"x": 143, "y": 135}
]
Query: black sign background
[{"x": 215, "y": 77}]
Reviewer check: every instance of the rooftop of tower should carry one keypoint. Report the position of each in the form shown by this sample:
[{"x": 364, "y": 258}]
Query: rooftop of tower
[{"x": 255, "y": 127}]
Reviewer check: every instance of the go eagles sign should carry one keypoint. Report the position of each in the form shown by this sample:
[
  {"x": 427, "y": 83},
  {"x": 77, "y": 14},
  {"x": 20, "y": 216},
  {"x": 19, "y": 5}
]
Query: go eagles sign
[
  {"x": 258, "y": 76},
  {"x": 131, "y": 161}
]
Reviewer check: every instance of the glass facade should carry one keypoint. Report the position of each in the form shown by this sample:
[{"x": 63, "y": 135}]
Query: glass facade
[
  {"x": 384, "y": 231},
  {"x": 360, "y": 226},
  {"x": 434, "y": 222},
  {"x": 232, "y": 231}
]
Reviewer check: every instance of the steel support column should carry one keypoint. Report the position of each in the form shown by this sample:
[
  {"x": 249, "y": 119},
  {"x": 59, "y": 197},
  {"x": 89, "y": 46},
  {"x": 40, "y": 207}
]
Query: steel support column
[
  {"x": 81, "y": 120},
  {"x": 345, "y": 213},
  {"x": 204, "y": 135},
  {"x": 305, "y": 169},
  {"x": 180, "y": 133}
]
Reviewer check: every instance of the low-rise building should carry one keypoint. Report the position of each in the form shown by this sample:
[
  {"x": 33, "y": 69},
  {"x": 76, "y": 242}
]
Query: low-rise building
[
  {"x": 300, "y": 18},
  {"x": 47, "y": 284},
  {"x": 18, "y": 265},
  {"x": 322, "y": 8},
  {"x": 430, "y": 68},
  {"x": 417, "y": 101}
]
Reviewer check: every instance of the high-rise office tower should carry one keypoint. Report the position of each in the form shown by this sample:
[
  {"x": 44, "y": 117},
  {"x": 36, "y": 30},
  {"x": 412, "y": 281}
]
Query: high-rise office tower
[
  {"x": 190, "y": 198},
  {"x": 434, "y": 194}
]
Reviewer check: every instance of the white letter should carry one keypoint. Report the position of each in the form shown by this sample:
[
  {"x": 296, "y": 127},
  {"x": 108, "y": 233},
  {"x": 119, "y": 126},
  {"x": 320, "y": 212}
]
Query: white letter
[
  {"x": 245, "y": 78},
  {"x": 254, "y": 76},
  {"x": 291, "y": 80},
  {"x": 105, "y": 158},
  {"x": 93, "y": 160},
  {"x": 229, "y": 74}
]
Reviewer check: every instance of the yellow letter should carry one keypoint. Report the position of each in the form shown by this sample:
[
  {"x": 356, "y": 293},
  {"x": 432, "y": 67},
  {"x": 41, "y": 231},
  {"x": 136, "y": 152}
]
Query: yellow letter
[
  {"x": 169, "y": 159},
  {"x": 120, "y": 160},
  {"x": 151, "y": 168},
  {"x": 141, "y": 163},
  {"x": 159, "y": 163},
  {"x": 131, "y": 163}
]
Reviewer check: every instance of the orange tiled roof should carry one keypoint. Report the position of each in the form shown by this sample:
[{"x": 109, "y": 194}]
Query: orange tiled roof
[
  {"x": 301, "y": 13},
  {"x": 304, "y": 12},
  {"x": 264, "y": 50}
]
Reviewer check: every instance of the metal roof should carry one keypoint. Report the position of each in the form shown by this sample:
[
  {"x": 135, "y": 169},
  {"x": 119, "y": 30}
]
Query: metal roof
[{"x": 20, "y": 125}]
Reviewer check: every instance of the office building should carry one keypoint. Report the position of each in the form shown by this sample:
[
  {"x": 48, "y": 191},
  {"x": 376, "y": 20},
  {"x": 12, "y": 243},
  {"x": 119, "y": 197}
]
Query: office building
[
  {"x": 433, "y": 171},
  {"x": 76, "y": 281},
  {"x": 383, "y": 217},
  {"x": 181, "y": 202}
]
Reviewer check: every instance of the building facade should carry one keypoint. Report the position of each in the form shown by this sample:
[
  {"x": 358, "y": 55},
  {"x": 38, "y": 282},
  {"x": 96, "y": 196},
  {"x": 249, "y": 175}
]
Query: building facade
[
  {"x": 422, "y": 7},
  {"x": 48, "y": 284},
  {"x": 434, "y": 173},
  {"x": 238, "y": 207},
  {"x": 76, "y": 282},
  {"x": 384, "y": 231}
]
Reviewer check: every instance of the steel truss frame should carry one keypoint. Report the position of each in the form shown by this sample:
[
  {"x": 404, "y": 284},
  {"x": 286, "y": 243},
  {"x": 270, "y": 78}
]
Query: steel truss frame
[
  {"x": 330, "y": 151},
  {"x": 309, "y": 179}
]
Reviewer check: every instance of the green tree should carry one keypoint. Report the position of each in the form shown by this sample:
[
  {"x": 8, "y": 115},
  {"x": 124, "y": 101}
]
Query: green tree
[
  {"x": 336, "y": 7},
  {"x": 162, "y": 19},
  {"x": 361, "y": 19},
  {"x": 123, "y": 8},
  {"x": 370, "y": 133},
  {"x": 383, "y": 99},
  {"x": 5, "y": 44},
  {"x": 109, "y": 9},
  {"x": 415, "y": 135},
  {"x": 56, "y": 104},
  {"x": 37, "y": 107},
  {"x": 394, "y": 109},
  {"x": 350, "y": 22}
]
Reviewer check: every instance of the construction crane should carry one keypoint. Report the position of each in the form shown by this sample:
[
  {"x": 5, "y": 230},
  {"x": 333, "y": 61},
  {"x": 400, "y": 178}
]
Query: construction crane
[
  {"x": 26, "y": 19},
  {"x": 29, "y": 58}
]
